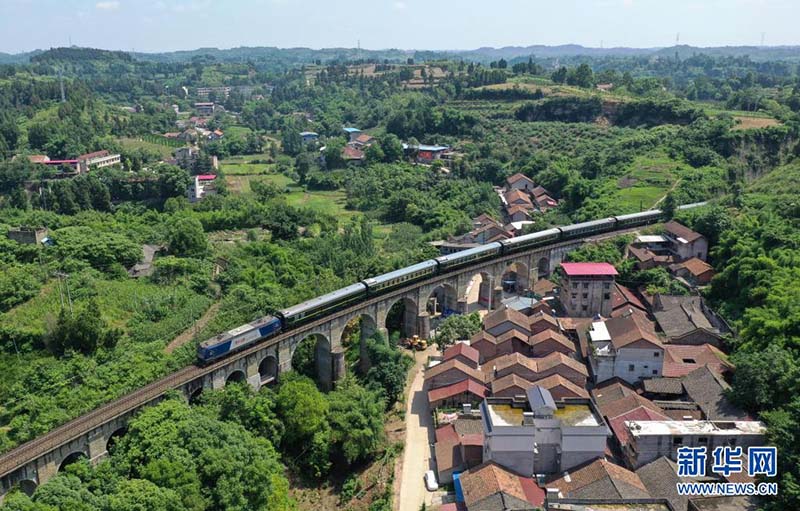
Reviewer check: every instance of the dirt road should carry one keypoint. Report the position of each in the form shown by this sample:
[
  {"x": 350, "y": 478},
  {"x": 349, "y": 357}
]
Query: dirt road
[
  {"x": 419, "y": 436},
  {"x": 190, "y": 332}
]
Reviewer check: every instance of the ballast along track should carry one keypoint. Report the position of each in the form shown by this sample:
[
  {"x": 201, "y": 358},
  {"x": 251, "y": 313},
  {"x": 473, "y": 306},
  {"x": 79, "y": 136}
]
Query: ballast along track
[{"x": 74, "y": 429}]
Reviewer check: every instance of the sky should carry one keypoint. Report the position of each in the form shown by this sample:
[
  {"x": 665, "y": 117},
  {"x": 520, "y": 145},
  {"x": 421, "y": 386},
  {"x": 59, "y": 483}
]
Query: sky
[{"x": 166, "y": 25}]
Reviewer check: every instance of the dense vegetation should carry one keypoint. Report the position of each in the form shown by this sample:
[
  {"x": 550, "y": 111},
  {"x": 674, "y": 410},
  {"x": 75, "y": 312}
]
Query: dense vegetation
[{"x": 290, "y": 221}]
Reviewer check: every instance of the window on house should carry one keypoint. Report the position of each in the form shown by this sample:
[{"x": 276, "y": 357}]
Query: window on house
[
  {"x": 656, "y": 354},
  {"x": 655, "y": 372},
  {"x": 584, "y": 308},
  {"x": 585, "y": 296},
  {"x": 574, "y": 285},
  {"x": 678, "y": 440},
  {"x": 585, "y": 285},
  {"x": 574, "y": 295},
  {"x": 689, "y": 361},
  {"x": 702, "y": 440},
  {"x": 630, "y": 368},
  {"x": 607, "y": 285},
  {"x": 606, "y": 296}
]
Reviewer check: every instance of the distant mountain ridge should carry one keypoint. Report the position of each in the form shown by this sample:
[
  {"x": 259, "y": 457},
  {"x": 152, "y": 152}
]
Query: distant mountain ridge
[{"x": 300, "y": 55}]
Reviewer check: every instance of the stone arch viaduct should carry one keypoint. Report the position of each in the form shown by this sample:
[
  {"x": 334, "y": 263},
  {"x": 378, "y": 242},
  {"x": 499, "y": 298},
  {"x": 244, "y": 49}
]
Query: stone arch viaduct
[{"x": 92, "y": 435}]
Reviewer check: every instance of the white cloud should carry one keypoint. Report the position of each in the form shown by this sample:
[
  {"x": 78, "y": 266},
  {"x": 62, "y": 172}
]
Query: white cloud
[
  {"x": 627, "y": 3},
  {"x": 110, "y": 5},
  {"x": 399, "y": 6}
]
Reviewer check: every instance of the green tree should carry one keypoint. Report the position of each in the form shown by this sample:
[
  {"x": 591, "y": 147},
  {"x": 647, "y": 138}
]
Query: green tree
[
  {"x": 186, "y": 238},
  {"x": 457, "y": 327},
  {"x": 392, "y": 148},
  {"x": 356, "y": 420}
]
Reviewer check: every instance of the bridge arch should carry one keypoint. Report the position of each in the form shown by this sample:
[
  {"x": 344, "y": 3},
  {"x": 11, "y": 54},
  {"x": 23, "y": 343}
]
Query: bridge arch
[
  {"x": 478, "y": 291},
  {"x": 401, "y": 316},
  {"x": 268, "y": 370},
  {"x": 71, "y": 458},
  {"x": 313, "y": 357},
  {"x": 236, "y": 376},
  {"x": 194, "y": 396},
  {"x": 27, "y": 486},
  {"x": 543, "y": 267},
  {"x": 118, "y": 433},
  {"x": 442, "y": 300},
  {"x": 515, "y": 277}
]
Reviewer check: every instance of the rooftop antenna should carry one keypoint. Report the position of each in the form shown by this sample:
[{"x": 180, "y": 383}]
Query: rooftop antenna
[
  {"x": 677, "y": 39},
  {"x": 763, "y": 34}
]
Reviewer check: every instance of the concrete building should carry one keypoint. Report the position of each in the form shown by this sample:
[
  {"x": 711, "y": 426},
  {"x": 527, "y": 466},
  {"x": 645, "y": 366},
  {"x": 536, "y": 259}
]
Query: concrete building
[
  {"x": 685, "y": 242},
  {"x": 625, "y": 347},
  {"x": 538, "y": 435},
  {"x": 27, "y": 235},
  {"x": 587, "y": 289},
  {"x": 309, "y": 136},
  {"x": 202, "y": 186},
  {"x": 650, "y": 440},
  {"x": 352, "y": 133},
  {"x": 98, "y": 160},
  {"x": 186, "y": 157},
  {"x": 206, "y": 109}
]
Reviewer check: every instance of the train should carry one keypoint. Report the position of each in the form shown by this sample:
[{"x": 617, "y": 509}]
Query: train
[{"x": 239, "y": 338}]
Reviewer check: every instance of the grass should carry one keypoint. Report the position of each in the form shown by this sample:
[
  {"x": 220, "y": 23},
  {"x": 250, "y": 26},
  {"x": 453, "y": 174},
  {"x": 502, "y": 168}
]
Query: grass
[
  {"x": 245, "y": 169},
  {"x": 134, "y": 143},
  {"x": 237, "y": 131},
  {"x": 330, "y": 202},
  {"x": 118, "y": 301},
  {"x": 241, "y": 183},
  {"x": 648, "y": 179}
]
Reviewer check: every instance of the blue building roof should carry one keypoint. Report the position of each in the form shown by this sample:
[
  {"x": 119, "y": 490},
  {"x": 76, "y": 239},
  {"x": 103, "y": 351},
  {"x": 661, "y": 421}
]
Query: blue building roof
[
  {"x": 457, "y": 484},
  {"x": 352, "y": 130}
]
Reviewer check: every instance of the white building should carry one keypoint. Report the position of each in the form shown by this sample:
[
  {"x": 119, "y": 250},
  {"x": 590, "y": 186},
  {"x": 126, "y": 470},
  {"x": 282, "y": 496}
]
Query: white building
[
  {"x": 202, "y": 186},
  {"x": 649, "y": 440},
  {"x": 98, "y": 160},
  {"x": 625, "y": 347},
  {"x": 539, "y": 435}
]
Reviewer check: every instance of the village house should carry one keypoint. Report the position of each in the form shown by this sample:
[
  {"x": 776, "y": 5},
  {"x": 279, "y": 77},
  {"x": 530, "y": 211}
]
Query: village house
[
  {"x": 687, "y": 320},
  {"x": 490, "y": 486},
  {"x": 686, "y": 243},
  {"x": 352, "y": 154},
  {"x": 520, "y": 182},
  {"x": 28, "y": 235},
  {"x": 204, "y": 109},
  {"x": 503, "y": 320},
  {"x": 457, "y": 394},
  {"x": 694, "y": 271},
  {"x": 534, "y": 369},
  {"x": 566, "y": 433},
  {"x": 519, "y": 198},
  {"x": 463, "y": 352},
  {"x": 652, "y": 439},
  {"x": 451, "y": 371},
  {"x": 352, "y": 133},
  {"x": 458, "y": 447},
  {"x": 363, "y": 140},
  {"x": 549, "y": 341},
  {"x": 680, "y": 360},
  {"x": 428, "y": 153},
  {"x": 598, "y": 480},
  {"x": 98, "y": 160},
  {"x": 309, "y": 136},
  {"x": 625, "y": 347},
  {"x": 586, "y": 289},
  {"x": 202, "y": 186}
]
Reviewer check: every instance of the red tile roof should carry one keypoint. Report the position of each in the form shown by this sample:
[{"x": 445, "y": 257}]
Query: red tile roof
[
  {"x": 623, "y": 297},
  {"x": 579, "y": 269},
  {"x": 641, "y": 413},
  {"x": 681, "y": 231},
  {"x": 680, "y": 360},
  {"x": 207, "y": 177},
  {"x": 463, "y": 349},
  {"x": 446, "y": 434},
  {"x": 696, "y": 266},
  {"x": 631, "y": 329},
  {"x": 95, "y": 154},
  {"x": 489, "y": 479},
  {"x": 455, "y": 389},
  {"x": 516, "y": 177},
  {"x": 352, "y": 153}
]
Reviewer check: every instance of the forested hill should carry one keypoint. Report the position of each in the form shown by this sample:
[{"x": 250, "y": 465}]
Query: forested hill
[{"x": 291, "y": 56}]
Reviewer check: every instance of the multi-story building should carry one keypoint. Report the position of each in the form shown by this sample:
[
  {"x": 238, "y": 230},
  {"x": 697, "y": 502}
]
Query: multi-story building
[
  {"x": 648, "y": 440},
  {"x": 202, "y": 186},
  {"x": 205, "y": 109},
  {"x": 538, "y": 435},
  {"x": 98, "y": 160},
  {"x": 685, "y": 242},
  {"x": 587, "y": 289},
  {"x": 625, "y": 347}
]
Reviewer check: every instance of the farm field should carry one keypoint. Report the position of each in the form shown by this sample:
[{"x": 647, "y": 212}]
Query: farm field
[{"x": 136, "y": 143}]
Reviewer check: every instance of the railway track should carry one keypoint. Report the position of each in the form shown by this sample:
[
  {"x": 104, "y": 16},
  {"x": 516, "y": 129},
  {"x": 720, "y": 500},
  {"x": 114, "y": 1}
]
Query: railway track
[{"x": 74, "y": 429}]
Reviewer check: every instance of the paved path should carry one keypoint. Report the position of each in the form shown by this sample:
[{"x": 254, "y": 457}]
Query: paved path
[{"x": 419, "y": 436}]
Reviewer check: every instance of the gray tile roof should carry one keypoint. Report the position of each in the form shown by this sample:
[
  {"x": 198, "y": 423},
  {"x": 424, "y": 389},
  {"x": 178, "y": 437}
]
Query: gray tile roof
[{"x": 707, "y": 389}]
